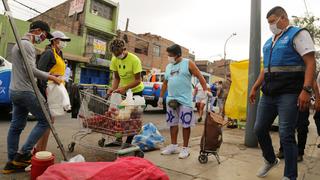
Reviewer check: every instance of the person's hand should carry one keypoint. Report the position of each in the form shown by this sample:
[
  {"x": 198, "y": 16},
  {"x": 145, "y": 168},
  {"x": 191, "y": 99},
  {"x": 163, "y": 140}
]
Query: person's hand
[
  {"x": 55, "y": 79},
  {"x": 208, "y": 93},
  {"x": 304, "y": 100},
  {"x": 109, "y": 91},
  {"x": 252, "y": 96},
  {"x": 317, "y": 104},
  {"x": 160, "y": 102},
  {"x": 121, "y": 90}
]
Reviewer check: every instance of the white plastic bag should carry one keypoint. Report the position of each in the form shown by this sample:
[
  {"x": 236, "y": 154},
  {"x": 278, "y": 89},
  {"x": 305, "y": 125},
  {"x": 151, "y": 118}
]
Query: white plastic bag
[
  {"x": 58, "y": 99},
  {"x": 77, "y": 158}
]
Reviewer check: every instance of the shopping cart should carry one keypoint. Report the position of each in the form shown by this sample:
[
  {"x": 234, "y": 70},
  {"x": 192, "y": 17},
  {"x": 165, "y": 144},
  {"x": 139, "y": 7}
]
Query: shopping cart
[{"x": 98, "y": 115}]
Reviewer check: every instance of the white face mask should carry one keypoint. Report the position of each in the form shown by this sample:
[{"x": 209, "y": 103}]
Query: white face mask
[
  {"x": 274, "y": 29},
  {"x": 39, "y": 38},
  {"x": 171, "y": 60},
  {"x": 62, "y": 44},
  {"x": 121, "y": 56}
]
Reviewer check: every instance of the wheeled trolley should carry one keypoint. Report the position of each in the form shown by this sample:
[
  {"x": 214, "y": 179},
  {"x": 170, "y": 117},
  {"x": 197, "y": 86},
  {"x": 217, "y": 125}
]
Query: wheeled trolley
[{"x": 211, "y": 139}]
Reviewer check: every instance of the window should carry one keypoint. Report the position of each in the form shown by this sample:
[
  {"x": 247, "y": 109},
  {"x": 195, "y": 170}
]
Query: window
[
  {"x": 101, "y": 9},
  {"x": 156, "y": 50},
  {"x": 141, "y": 47}
]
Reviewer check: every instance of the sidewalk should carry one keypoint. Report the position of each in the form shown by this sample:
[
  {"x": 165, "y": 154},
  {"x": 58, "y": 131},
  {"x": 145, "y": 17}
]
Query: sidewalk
[{"x": 237, "y": 161}]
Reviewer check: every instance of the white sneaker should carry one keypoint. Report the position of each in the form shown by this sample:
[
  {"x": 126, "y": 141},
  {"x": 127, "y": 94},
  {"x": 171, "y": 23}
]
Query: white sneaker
[
  {"x": 263, "y": 171},
  {"x": 171, "y": 149},
  {"x": 184, "y": 153}
]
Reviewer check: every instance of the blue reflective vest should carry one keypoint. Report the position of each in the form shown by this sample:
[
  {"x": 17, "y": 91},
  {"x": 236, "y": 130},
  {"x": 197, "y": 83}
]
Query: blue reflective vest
[{"x": 283, "y": 66}]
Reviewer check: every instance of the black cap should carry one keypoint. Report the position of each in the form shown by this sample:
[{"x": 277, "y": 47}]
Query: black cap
[{"x": 41, "y": 25}]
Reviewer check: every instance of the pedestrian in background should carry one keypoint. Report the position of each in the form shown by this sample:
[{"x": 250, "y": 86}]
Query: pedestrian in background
[
  {"x": 286, "y": 80},
  {"x": 179, "y": 100},
  {"x": 220, "y": 94},
  {"x": 24, "y": 99},
  {"x": 51, "y": 61},
  {"x": 201, "y": 99}
]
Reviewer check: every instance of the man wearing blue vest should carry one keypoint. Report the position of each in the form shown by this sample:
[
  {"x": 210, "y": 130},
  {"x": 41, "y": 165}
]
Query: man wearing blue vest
[{"x": 286, "y": 80}]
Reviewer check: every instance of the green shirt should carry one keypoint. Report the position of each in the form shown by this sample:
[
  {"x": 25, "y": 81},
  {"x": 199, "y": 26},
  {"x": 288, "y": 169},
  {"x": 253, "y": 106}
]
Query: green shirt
[{"x": 126, "y": 69}]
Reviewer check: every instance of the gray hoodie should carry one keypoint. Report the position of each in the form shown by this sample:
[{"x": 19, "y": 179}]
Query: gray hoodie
[{"x": 20, "y": 80}]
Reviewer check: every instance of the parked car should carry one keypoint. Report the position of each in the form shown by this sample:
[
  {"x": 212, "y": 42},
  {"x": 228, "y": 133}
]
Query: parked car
[
  {"x": 5, "y": 77},
  {"x": 152, "y": 89},
  {"x": 5, "y": 74}
]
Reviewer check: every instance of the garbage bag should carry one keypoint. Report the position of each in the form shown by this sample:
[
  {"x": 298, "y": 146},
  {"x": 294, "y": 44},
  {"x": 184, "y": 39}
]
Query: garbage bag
[
  {"x": 127, "y": 168},
  {"x": 58, "y": 99},
  {"x": 149, "y": 138}
]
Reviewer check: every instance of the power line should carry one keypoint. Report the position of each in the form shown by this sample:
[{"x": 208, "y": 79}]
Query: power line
[
  {"x": 16, "y": 10},
  {"x": 27, "y": 6},
  {"x": 21, "y": 8},
  {"x": 43, "y": 14},
  {"x": 38, "y": 3}
]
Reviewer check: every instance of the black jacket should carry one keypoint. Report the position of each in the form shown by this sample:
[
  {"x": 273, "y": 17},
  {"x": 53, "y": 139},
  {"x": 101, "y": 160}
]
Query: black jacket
[{"x": 45, "y": 63}]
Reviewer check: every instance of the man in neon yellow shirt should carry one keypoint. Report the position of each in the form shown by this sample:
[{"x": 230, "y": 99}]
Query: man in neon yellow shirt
[{"x": 126, "y": 68}]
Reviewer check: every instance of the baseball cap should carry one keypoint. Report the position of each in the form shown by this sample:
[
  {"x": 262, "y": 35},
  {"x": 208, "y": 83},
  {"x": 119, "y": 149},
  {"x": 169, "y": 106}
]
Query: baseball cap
[
  {"x": 59, "y": 35},
  {"x": 41, "y": 25}
]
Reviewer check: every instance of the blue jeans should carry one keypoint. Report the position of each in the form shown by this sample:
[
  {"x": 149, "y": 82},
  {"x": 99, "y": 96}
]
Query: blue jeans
[
  {"x": 285, "y": 106},
  {"x": 24, "y": 102}
]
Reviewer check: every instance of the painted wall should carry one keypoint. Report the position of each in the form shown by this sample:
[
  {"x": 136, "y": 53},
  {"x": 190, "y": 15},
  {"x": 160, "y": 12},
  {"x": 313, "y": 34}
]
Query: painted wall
[
  {"x": 75, "y": 47},
  {"x": 100, "y": 23},
  {"x": 6, "y": 35}
]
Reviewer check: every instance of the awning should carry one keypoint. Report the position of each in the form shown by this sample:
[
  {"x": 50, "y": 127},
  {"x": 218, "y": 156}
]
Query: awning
[{"x": 68, "y": 56}]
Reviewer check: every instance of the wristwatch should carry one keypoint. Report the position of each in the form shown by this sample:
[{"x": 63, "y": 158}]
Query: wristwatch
[{"x": 308, "y": 89}]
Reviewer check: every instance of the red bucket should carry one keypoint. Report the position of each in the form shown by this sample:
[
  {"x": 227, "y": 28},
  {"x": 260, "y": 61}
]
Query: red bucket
[{"x": 40, "y": 162}]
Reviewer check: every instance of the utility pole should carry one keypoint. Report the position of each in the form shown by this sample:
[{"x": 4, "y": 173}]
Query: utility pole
[
  {"x": 31, "y": 76},
  {"x": 254, "y": 70},
  {"x": 127, "y": 24},
  {"x": 225, "y": 55}
]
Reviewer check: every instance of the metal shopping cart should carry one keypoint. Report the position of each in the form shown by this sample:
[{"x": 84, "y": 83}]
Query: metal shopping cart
[{"x": 98, "y": 115}]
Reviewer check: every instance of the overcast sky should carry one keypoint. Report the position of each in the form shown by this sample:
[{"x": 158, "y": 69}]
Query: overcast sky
[{"x": 200, "y": 25}]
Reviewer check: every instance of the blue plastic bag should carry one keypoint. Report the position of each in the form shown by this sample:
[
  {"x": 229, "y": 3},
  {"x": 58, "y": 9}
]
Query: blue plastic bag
[{"x": 149, "y": 138}]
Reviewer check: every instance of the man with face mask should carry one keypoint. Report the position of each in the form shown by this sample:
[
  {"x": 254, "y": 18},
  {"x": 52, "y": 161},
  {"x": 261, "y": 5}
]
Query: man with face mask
[
  {"x": 51, "y": 61},
  {"x": 286, "y": 80},
  {"x": 24, "y": 99},
  {"x": 179, "y": 101},
  {"x": 126, "y": 68}
]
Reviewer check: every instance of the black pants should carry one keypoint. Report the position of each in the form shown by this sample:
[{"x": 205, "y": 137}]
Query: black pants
[
  {"x": 316, "y": 118},
  {"x": 130, "y": 138}
]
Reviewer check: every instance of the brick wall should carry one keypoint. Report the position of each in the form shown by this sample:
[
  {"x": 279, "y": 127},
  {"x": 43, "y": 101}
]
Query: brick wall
[
  {"x": 150, "y": 59},
  {"x": 58, "y": 18}
]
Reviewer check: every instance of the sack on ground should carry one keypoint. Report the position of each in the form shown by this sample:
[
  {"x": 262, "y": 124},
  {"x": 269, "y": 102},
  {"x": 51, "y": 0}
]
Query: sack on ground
[
  {"x": 149, "y": 138},
  {"x": 58, "y": 99}
]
